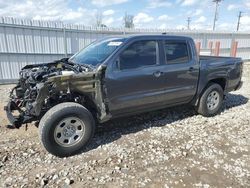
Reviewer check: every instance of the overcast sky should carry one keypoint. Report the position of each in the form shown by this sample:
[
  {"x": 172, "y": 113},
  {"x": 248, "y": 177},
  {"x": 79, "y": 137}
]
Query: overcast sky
[{"x": 147, "y": 13}]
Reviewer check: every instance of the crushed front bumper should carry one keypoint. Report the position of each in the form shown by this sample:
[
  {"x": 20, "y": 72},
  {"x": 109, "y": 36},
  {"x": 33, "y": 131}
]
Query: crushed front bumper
[
  {"x": 18, "y": 119},
  {"x": 14, "y": 120}
]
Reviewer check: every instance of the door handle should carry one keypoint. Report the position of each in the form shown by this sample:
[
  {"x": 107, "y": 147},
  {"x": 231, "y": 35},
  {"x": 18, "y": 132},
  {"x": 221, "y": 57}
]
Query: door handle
[
  {"x": 157, "y": 74},
  {"x": 191, "y": 69}
]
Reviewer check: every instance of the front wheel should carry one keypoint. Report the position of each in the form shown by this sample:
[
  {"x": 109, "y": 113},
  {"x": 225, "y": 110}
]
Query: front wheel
[
  {"x": 211, "y": 100},
  {"x": 66, "y": 129}
]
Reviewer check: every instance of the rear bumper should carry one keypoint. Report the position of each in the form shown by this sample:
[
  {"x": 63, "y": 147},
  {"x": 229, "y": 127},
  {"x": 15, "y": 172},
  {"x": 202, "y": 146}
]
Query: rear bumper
[{"x": 239, "y": 85}]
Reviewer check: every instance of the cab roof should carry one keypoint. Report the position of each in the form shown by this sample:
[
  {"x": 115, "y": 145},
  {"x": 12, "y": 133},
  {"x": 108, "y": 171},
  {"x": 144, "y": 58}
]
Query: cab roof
[{"x": 145, "y": 36}]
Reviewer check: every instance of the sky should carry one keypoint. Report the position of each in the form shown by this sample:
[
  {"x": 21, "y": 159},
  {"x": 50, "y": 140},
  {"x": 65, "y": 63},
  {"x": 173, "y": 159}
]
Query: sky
[{"x": 160, "y": 14}]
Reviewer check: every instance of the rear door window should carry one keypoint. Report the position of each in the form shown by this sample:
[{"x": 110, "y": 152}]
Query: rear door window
[{"x": 176, "y": 52}]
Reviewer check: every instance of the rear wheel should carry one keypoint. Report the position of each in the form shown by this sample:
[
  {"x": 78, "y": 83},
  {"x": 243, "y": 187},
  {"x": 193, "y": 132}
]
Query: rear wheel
[
  {"x": 211, "y": 100},
  {"x": 66, "y": 129}
]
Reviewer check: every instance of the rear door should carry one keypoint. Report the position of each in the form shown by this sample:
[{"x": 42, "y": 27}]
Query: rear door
[
  {"x": 135, "y": 81},
  {"x": 180, "y": 71}
]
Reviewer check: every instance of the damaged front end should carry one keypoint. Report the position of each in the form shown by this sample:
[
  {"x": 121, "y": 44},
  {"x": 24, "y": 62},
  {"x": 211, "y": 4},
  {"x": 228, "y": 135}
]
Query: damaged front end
[{"x": 43, "y": 86}]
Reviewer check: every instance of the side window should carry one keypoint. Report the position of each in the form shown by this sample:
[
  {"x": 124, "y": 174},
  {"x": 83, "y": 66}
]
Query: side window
[
  {"x": 176, "y": 52},
  {"x": 138, "y": 54}
]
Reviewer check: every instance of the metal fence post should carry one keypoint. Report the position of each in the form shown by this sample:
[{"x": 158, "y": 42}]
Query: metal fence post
[
  {"x": 210, "y": 47},
  {"x": 198, "y": 47},
  {"x": 65, "y": 42},
  {"x": 217, "y": 48},
  {"x": 234, "y": 49},
  {"x": 232, "y": 43}
]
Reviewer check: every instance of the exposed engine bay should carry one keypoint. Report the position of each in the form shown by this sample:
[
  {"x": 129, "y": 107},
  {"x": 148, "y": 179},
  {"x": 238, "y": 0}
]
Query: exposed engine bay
[{"x": 42, "y": 86}]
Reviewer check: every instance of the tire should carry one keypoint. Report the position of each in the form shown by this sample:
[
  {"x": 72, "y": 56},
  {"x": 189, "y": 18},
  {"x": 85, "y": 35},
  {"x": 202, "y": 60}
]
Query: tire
[
  {"x": 206, "y": 107},
  {"x": 66, "y": 129}
]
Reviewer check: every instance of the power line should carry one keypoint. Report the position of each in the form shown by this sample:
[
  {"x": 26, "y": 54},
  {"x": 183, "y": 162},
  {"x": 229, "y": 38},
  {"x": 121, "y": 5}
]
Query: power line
[
  {"x": 239, "y": 17},
  {"x": 216, "y": 12},
  {"x": 188, "y": 23}
]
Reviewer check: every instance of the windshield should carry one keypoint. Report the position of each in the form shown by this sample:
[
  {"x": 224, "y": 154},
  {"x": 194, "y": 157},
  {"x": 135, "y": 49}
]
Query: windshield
[{"x": 97, "y": 52}]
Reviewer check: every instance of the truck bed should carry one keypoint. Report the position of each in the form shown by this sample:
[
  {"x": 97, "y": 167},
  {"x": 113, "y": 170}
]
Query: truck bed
[
  {"x": 230, "y": 68},
  {"x": 218, "y": 59}
]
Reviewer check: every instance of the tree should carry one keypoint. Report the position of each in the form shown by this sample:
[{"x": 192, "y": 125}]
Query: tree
[
  {"x": 103, "y": 25},
  {"x": 98, "y": 19},
  {"x": 128, "y": 21}
]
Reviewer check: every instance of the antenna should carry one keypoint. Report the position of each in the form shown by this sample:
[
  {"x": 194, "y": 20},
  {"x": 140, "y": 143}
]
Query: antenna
[
  {"x": 188, "y": 23},
  {"x": 216, "y": 12}
]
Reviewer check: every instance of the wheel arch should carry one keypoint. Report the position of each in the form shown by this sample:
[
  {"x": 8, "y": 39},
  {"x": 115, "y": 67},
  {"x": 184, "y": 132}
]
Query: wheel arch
[
  {"x": 222, "y": 81},
  {"x": 91, "y": 106}
]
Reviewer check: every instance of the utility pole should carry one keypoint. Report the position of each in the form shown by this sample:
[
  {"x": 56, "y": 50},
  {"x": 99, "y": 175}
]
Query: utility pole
[
  {"x": 216, "y": 12},
  {"x": 188, "y": 23},
  {"x": 239, "y": 17}
]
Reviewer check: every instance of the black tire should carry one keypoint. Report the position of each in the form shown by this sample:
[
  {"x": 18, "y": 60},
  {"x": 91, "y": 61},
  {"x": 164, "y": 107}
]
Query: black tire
[
  {"x": 51, "y": 120},
  {"x": 203, "y": 107}
]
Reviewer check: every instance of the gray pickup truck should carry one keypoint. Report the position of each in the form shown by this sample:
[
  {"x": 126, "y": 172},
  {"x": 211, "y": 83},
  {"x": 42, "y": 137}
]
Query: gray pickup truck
[{"x": 113, "y": 77}]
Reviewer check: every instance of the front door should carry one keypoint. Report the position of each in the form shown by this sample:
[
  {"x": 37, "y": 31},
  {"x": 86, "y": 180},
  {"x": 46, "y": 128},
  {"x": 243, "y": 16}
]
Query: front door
[{"x": 136, "y": 81}]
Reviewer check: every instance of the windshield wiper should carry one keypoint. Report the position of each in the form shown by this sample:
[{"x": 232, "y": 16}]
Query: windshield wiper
[
  {"x": 70, "y": 61},
  {"x": 91, "y": 67}
]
